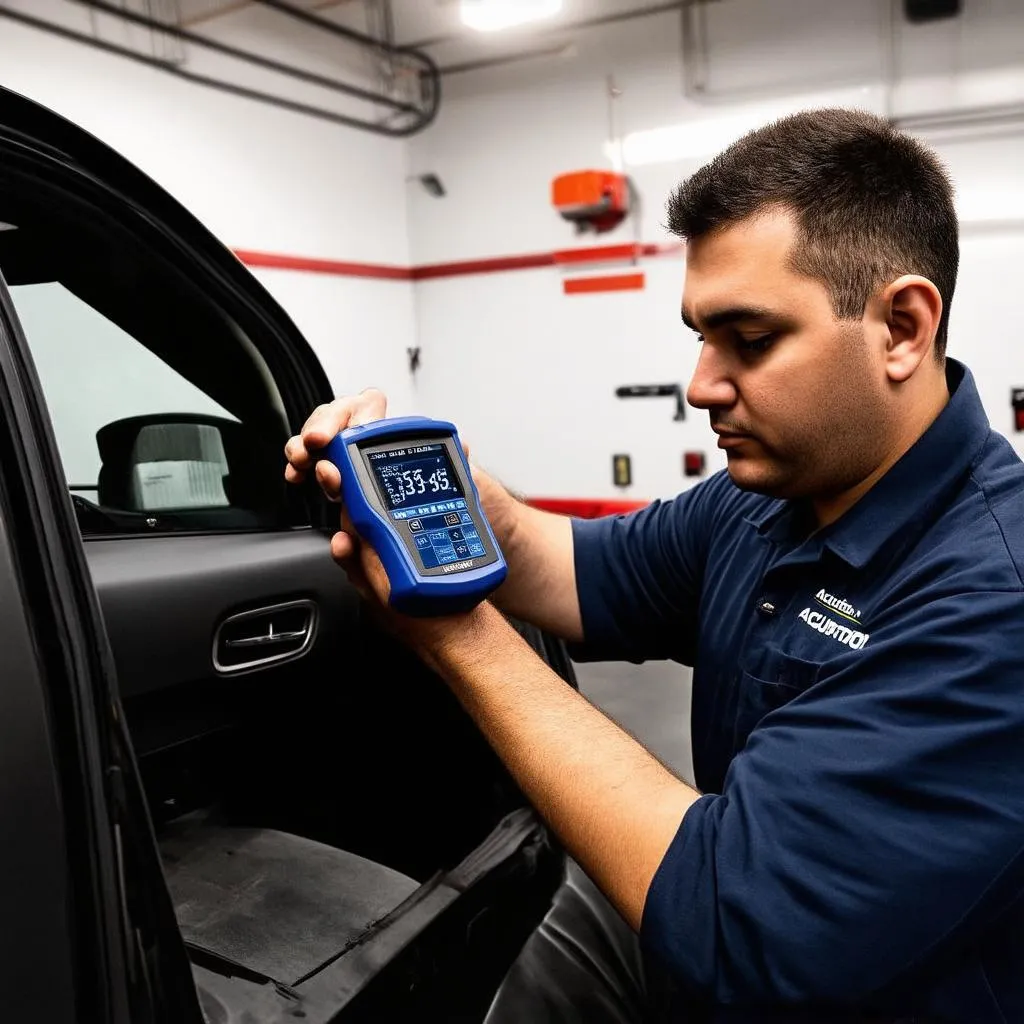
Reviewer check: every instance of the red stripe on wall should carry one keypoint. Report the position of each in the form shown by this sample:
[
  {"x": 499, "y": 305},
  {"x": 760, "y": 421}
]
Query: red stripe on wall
[
  {"x": 586, "y": 508},
  {"x": 339, "y": 268},
  {"x": 597, "y": 253},
  {"x": 661, "y": 248},
  {"x": 460, "y": 268},
  {"x": 492, "y": 265},
  {"x": 631, "y": 251},
  {"x": 604, "y": 283}
]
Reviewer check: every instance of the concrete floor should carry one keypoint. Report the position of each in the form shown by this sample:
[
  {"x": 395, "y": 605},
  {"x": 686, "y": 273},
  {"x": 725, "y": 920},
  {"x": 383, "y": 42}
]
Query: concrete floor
[{"x": 650, "y": 701}]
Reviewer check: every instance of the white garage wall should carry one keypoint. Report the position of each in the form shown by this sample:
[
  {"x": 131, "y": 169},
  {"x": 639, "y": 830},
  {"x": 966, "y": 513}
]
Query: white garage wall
[
  {"x": 260, "y": 178},
  {"x": 545, "y": 417},
  {"x": 547, "y": 421},
  {"x": 367, "y": 326}
]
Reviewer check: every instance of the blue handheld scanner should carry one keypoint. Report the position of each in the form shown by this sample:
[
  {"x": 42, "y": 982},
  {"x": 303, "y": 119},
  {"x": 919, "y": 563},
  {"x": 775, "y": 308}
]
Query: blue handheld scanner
[{"x": 408, "y": 489}]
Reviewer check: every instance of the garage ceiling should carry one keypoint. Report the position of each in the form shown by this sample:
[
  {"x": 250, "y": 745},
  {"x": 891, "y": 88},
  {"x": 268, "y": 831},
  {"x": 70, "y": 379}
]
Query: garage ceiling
[
  {"x": 434, "y": 25},
  {"x": 198, "y": 12}
]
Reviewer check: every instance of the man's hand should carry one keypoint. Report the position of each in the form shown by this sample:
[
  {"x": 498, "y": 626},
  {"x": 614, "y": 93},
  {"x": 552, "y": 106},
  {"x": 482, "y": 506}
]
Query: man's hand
[
  {"x": 428, "y": 637},
  {"x": 323, "y": 424},
  {"x": 359, "y": 560},
  {"x": 541, "y": 585}
]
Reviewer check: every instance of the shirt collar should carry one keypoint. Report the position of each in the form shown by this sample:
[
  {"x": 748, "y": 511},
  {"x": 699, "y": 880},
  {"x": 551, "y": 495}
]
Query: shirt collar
[
  {"x": 766, "y": 517},
  {"x": 900, "y": 503},
  {"x": 922, "y": 478}
]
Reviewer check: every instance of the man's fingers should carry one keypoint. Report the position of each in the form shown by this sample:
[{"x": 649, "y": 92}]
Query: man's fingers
[
  {"x": 346, "y": 523},
  {"x": 329, "y": 479},
  {"x": 296, "y": 454},
  {"x": 326, "y": 421},
  {"x": 343, "y": 549},
  {"x": 371, "y": 405},
  {"x": 360, "y": 562}
]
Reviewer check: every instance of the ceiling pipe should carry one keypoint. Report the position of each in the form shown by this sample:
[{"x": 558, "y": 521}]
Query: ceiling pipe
[
  {"x": 415, "y": 117},
  {"x": 429, "y": 77},
  {"x": 562, "y": 50},
  {"x": 217, "y": 12},
  {"x": 63, "y": 32},
  {"x": 325, "y": 25},
  {"x": 185, "y": 35}
]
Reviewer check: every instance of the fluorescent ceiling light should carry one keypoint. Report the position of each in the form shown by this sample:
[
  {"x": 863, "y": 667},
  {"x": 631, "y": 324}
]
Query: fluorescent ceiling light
[
  {"x": 693, "y": 140},
  {"x": 494, "y": 15},
  {"x": 703, "y": 137}
]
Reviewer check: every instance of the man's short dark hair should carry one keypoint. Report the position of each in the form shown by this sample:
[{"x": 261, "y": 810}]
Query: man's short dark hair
[{"x": 871, "y": 203}]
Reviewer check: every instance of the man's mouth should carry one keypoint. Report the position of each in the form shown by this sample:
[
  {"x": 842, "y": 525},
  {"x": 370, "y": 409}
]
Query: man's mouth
[{"x": 731, "y": 438}]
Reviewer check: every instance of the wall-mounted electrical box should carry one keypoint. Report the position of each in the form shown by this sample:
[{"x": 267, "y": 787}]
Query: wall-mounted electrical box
[{"x": 622, "y": 470}]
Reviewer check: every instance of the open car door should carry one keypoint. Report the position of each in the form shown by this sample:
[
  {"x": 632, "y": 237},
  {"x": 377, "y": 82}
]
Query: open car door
[{"x": 294, "y": 799}]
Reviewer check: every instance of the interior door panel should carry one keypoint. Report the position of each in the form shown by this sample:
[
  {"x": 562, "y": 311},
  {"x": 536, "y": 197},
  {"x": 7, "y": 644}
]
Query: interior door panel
[
  {"x": 350, "y": 763},
  {"x": 164, "y": 599}
]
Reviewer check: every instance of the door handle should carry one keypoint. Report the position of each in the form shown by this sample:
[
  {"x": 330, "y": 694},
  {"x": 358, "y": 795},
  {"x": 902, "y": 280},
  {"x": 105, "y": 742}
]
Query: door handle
[
  {"x": 268, "y": 638},
  {"x": 260, "y": 637}
]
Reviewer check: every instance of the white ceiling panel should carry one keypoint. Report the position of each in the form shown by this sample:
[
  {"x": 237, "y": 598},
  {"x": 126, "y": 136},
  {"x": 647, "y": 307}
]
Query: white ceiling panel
[{"x": 432, "y": 24}]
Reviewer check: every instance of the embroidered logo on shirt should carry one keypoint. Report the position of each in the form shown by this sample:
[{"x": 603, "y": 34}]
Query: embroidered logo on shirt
[
  {"x": 837, "y": 604},
  {"x": 827, "y": 626}
]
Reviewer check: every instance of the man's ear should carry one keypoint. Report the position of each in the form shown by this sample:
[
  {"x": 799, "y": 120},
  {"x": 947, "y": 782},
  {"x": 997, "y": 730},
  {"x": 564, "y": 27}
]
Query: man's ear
[{"x": 912, "y": 307}]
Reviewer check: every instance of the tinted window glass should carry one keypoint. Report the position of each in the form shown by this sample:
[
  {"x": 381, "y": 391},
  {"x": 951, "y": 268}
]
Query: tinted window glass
[{"x": 165, "y": 414}]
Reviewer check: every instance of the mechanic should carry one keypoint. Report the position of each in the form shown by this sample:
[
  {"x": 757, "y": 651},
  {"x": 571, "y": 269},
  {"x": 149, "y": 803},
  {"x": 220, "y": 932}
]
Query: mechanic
[{"x": 849, "y": 595}]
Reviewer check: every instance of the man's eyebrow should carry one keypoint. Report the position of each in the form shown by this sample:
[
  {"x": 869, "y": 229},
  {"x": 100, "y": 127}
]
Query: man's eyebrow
[{"x": 731, "y": 315}]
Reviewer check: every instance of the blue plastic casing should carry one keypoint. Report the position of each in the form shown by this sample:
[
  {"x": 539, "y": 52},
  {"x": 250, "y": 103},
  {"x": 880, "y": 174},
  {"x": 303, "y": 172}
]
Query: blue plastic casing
[{"x": 414, "y": 589}]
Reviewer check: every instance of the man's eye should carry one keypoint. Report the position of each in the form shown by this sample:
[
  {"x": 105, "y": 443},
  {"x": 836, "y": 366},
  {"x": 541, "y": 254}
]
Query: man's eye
[{"x": 756, "y": 344}]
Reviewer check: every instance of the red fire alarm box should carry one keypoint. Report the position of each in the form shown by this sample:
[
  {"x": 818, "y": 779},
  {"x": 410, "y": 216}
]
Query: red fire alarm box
[
  {"x": 693, "y": 464},
  {"x": 592, "y": 200},
  {"x": 1017, "y": 402}
]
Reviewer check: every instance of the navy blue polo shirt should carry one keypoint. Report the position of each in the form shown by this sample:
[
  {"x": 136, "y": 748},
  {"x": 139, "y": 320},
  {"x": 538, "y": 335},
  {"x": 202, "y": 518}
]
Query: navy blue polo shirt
[{"x": 858, "y": 731}]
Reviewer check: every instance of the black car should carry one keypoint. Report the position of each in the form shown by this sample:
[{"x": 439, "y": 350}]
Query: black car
[{"x": 225, "y": 792}]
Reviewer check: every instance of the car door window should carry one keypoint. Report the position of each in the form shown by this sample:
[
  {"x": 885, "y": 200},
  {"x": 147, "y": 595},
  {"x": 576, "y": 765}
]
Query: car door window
[
  {"x": 165, "y": 414},
  {"x": 93, "y": 372}
]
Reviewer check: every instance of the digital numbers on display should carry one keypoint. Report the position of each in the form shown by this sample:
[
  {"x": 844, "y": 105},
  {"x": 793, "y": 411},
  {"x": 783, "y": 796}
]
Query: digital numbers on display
[
  {"x": 411, "y": 482},
  {"x": 413, "y": 475}
]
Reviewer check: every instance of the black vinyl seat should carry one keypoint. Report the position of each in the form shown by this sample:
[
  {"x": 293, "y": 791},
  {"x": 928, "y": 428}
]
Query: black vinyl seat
[{"x": 273, "y": 903}]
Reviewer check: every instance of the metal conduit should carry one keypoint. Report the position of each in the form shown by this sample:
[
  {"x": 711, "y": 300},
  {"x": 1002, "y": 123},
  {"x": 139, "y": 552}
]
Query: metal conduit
[{"x": 413, "y": 117}]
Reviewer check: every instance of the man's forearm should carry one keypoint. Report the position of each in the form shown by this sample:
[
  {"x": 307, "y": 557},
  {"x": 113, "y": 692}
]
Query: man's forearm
[{"x": 612, "y": 804}]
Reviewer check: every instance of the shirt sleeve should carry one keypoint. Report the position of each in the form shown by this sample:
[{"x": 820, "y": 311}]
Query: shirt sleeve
[
  {"x": 870, "y": 829},
  {"x": 639, "y": 576}
]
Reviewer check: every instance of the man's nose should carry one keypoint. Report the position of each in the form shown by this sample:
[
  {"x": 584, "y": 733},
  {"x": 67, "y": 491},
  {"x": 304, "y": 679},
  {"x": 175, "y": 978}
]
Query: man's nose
[{"x": 711, "y": 384}]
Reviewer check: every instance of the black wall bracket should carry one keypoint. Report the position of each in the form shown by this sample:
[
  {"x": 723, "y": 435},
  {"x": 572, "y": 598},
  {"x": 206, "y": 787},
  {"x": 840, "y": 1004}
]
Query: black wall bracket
[{"x": 655, "y": 391}]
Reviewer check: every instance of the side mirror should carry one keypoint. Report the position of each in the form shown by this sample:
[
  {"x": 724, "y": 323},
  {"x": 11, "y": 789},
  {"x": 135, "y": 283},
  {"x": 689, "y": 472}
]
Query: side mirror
[{"x": 182, "y": 461}]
